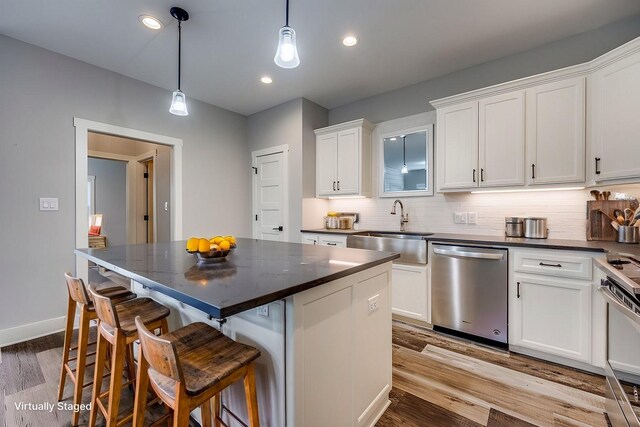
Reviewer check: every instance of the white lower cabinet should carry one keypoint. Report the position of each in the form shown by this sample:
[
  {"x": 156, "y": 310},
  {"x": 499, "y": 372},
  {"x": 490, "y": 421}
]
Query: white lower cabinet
[
  {"x": 338, "y": 240},
  {"x": 552, "y": 315},
  {"x": 410, "y": 291}
]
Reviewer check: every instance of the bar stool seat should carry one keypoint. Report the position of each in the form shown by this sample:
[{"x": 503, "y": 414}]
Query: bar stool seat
[
  {"x": 207, "y": 357},
  {"x": 189, "y": 367},
  {"x": 149, "y": 310}
]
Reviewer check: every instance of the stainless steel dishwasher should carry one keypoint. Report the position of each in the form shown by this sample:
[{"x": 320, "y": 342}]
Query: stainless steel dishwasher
[{"x": 469, "y": 291}]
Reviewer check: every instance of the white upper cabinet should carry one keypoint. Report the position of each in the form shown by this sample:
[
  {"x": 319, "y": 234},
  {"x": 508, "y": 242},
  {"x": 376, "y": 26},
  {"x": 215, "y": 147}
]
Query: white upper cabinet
[
  {"x": 343, "y": 159},
  {"x": 556, "y": 132},
  {"x": 501, "y": 140},
  {"x": 457, "y": 146},
  {"x": 614, "y": 115}
]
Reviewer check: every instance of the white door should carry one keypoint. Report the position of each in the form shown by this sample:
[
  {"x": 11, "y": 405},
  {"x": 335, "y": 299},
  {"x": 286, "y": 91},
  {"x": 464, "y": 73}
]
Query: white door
[
  {"x": 326, "y": 164},
  {"x": 457, "y": 146},
  {"x": 501, "y": 140},
  {"x": 614, "y": 104},
  {"x": 556, "y": 132},
  {"x": 269, "y": 197},
  {"x": 552, "y": 315},
  {"x": 348, "y": 161}
]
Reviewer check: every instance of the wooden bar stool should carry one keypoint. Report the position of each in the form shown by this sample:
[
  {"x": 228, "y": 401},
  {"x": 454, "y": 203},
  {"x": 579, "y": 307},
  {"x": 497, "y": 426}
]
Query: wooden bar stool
[
  {"x": 79, "y": 298},
  {"x": 117, "y": 330},
  {"x": 189, "y": 367}
]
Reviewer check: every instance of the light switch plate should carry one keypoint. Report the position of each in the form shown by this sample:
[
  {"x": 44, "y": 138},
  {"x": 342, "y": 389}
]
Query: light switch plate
[
  {"x": 263, "y": 310},
  {"x": 459, "y": 217},
  {"x": 472, "y": 217},
  {"x": 48, "y": 203}
]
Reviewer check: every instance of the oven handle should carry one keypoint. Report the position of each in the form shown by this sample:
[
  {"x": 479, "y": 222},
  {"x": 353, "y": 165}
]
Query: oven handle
[{"x": 611, "y": 299}]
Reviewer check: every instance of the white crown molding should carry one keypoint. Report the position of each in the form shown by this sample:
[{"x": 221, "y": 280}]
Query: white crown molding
[
  {"x": 583, "y": 69},
  {"x": 364, "y": 123}
]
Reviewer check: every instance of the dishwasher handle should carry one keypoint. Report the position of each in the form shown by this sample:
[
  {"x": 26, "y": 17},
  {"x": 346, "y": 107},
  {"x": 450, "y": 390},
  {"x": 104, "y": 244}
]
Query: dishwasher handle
[{"x": 467, "y": 254}]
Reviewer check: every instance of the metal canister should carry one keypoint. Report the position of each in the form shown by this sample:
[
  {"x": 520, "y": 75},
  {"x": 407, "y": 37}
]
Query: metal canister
[
  {"x": 513, "y": 226},
  {"x": 535, "y": 228},
  {"x": 628, "y": 234}
]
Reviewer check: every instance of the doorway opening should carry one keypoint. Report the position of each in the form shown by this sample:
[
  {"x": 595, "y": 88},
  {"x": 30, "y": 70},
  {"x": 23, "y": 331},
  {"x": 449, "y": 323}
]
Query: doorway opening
[{"x": 147, "y": 153}]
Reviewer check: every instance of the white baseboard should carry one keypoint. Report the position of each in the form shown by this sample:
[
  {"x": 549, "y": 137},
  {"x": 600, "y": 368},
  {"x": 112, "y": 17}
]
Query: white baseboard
[{"x": 31, "y": 330}]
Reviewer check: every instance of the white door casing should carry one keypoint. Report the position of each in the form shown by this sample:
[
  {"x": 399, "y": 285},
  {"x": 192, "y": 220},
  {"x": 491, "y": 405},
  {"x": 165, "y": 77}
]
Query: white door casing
[
  {"x": 270, "y": 193},
  {"x": 82, "y": 129}
]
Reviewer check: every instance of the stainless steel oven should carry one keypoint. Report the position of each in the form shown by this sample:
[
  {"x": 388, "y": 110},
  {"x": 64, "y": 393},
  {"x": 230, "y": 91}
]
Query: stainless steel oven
[{"x": 623, "y": 342}]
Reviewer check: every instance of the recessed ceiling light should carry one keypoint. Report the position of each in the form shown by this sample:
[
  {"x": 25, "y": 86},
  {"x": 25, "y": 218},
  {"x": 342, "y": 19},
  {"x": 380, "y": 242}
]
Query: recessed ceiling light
[
  {"x": 150, "y": 22},
  {"x": 349, "y": 41},
  {"x": 393, "y": 139},
  {"x": 266, "y": 80}
]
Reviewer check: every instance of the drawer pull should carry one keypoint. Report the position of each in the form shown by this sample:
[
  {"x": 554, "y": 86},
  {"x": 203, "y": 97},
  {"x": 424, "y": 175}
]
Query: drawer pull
[
  {"x": 518, "y": 289},
  {"x": 331, "y": 244},
  {"x": 551, "y": 265}
]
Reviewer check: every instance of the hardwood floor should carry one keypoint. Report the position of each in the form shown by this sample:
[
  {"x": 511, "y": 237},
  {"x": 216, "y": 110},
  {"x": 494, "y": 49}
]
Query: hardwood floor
[
  {"x": 437, "y": 382},
  {"x": 440, "y": 381}
]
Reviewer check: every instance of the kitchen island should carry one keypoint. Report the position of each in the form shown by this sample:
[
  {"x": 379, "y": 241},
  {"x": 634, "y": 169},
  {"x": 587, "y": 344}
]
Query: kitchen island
[{"x": 321, "y": 317}]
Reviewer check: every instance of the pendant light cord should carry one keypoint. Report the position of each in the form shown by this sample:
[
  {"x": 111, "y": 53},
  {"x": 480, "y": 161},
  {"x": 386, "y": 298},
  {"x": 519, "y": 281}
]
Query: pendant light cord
[
  {"x": 287, "y": 15},
  {"x": 404, "y": 159},
  {"x": 180, "y": 50}
]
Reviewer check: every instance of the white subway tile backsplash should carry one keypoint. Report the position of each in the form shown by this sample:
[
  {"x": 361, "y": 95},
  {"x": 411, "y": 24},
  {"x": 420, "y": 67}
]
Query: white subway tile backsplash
[{"x": 565, "y": 210}]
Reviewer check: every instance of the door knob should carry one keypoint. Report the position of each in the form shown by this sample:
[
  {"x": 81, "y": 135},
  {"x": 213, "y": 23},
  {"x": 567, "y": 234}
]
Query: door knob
[{"x": 280, "y": 228}]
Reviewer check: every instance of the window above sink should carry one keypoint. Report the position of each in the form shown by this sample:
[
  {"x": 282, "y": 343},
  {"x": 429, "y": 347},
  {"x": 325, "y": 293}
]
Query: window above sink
[{"x": 405, "y": 153}]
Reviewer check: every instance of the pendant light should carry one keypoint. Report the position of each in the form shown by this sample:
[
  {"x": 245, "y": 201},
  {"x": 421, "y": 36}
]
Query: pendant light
[
  {"x": 179, "y": 100},
  {"x": 287, "y": 53},
  {"x": 404, "y": 160}
]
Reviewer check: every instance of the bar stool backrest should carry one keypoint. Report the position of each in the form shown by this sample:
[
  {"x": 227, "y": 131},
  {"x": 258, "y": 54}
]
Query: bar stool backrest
[
  {"x": 77, "y": 289},
  {"x": 105, "y": 309},
  {"x": 160, "y": 353}
]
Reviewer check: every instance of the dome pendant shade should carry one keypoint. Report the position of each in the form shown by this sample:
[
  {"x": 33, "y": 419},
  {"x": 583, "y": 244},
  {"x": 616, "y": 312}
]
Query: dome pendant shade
[
  {"x": 287, "y": 53},
  {"x": 179, "y": 104}
]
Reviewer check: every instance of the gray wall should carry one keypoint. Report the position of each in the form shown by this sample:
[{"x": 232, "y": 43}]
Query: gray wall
[
  {"x": 415, "y": 99},
  {"x": 37, "y": 155},
  {"x": 291, "y": 123},
  {"x": 111, "y": 197}
]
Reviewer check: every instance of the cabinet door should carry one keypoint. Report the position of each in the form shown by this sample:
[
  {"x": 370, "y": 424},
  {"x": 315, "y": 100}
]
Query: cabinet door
[
  {"x": 329, "y": 240},
  {"x": 614, "y": 105},
  {"x": 326, "y": 164},
  {"x": 457, "y": 146},
  {"x": 348, "y": 161},
  {"x": 310, "y": 239},
  {"x": 410, "y": 292},
  {"x": 556, "y": 132},
  {"x": 501, "y": 140},
  {"x": 551, "y": 315}
]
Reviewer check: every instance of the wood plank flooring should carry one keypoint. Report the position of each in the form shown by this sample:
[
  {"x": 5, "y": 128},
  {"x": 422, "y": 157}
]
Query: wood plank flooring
[
  {"x": 437, "y": 382},
  {"x": 440, "y": 381}
]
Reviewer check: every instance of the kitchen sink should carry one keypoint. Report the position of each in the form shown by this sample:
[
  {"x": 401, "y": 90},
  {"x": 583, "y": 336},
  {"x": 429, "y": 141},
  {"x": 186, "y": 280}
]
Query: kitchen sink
[{"x": 411, "y": 247}]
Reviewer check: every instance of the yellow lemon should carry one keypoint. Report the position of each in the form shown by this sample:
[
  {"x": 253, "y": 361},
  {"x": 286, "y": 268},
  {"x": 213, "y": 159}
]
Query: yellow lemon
[
  {"x": 225, "y": 245},
  {"x": 192, "y": 244},
  {"x": 231, "y": 239},
  {"x": 218, "y": 239},
  {"x": 203, "y": 245}
]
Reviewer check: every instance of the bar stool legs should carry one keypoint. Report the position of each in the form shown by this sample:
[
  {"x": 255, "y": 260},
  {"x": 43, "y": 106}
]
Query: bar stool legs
[{"x": 68, "y": 335}]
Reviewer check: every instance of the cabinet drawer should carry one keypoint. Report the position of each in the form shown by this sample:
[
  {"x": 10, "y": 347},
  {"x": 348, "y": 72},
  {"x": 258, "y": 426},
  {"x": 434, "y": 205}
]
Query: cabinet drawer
[
  {"x": 329, "y": 240},
  {"x": 553, "y": 264}
]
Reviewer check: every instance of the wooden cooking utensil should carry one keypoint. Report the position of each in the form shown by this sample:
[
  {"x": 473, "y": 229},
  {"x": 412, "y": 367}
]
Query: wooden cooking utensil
[
  {"x": 606, "y": 195},
  {"x": 596, "y": 194}
]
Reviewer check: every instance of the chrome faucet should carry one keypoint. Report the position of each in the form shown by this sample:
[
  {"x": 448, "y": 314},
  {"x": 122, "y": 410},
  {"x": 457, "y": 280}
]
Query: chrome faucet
[{"x": 403, "y": 218}]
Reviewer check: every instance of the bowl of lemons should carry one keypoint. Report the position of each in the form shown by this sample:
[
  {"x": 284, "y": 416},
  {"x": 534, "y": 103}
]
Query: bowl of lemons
[{"x": 211, "y": 250}]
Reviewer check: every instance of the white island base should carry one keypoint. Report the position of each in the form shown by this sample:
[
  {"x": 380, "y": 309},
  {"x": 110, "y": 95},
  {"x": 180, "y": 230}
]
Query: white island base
[{"x": 326, "y": 352}]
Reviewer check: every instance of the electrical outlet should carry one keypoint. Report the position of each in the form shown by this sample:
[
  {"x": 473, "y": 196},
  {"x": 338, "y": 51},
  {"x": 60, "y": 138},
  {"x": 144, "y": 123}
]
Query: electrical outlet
[
  {"x": 472, "y": 217},
  {"x": 263, "y": 310},
  {"x": 459, "y": 217},
  {"x": 373, "y": 303},
  {"x": 48, "y": 204}
]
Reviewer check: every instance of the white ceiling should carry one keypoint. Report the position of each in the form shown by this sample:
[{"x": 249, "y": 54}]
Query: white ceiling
[{"x": 229, "y": 44}]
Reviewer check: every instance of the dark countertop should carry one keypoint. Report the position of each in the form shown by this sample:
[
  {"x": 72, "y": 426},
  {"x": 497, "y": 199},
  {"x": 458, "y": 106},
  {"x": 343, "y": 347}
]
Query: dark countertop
[
  {"x": 334, "y": 231},
  {"x": 257, "y": 272},
  {"x": 561, "y": 244}
]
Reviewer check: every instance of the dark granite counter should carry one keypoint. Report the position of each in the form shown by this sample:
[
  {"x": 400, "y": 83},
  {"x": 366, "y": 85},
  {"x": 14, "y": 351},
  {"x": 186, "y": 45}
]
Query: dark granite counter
[
  {"x": 333, "y": 231},
  {"x": 256, "y": 273}
]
